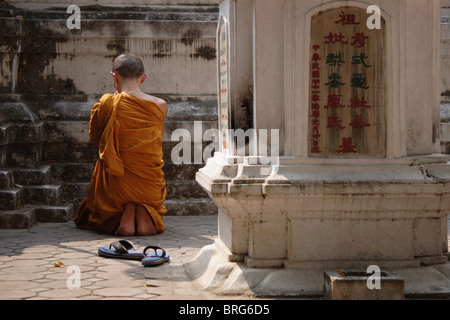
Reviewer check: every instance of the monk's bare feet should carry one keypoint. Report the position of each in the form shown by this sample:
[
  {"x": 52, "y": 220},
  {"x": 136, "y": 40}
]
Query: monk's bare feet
[
  {"x": 144, "y": 222},
  {"x": 127, "y": 223}
]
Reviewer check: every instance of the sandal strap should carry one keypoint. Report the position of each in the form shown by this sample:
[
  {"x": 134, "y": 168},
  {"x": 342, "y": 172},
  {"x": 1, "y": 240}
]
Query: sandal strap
[
  {"x": 155, "y": 248},
  {"x": 121, "y": 246}
]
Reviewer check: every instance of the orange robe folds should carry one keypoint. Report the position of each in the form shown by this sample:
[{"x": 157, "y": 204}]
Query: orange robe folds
[{"x": 128, "y": 132}]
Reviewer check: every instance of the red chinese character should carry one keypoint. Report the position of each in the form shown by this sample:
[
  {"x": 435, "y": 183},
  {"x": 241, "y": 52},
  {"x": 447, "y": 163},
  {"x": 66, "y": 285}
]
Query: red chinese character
[
  {"x": 335, "y": 38},
  {"x": 335, "y": 122},
  {"x": 315, "y": 66},
  {"x": 316, "y": 47},
  {"x": 316, "y": 74},
  {"x": 315, "y": 122},
  {"x": 356, "y": 103},
  {"x": 315, "y": 106},
  {"x": 315, "y": 134},
  {"x": 316, "y": 57},
  {"x": 334, "y": 102},
  {"x": 347, "y": 146},
  {"x": 347, "y": 19},
  {"x": 359, "y": 40},
  {"x": 315, "y": 114},
  {"x": 315, "y": 148},
  {"x": 359, "y": 123},
  {"x": 316, "y": 84},
  {"x": 315, "y": 98}
]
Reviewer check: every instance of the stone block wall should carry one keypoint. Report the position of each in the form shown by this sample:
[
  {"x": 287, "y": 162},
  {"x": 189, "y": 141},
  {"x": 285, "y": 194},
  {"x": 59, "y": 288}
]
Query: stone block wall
[{"x": 51, "y": 77}]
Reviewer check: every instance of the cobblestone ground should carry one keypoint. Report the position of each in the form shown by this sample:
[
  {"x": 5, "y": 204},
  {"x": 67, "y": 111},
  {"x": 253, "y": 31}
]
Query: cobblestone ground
[{"x": 27, "y": 259}]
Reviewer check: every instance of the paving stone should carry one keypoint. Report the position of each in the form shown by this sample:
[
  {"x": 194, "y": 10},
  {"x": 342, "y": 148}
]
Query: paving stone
[
  {"x": 75, "y": 255},
  {"x": 19, "y": 276},
  {"x": 65, "y": 293},
  {"x": 146, "y": 296},
  {"x": 29, "y": 262},
  {"x": 159, "y": 290},
  {"x": 178, "y": 297},
  {"x": 24, "y": 269},
  {"x": 136, "y": 267},
  {"x": 59, "y": 284},
  {"x": 18, "y": 285},
  {"x": 123, "y": 292},
  {"x": 119, "y": 276},
  {"x": 16, "y": 294},
  {"x": 35, "y": 256},
  {"x": 121, "y": 283}
]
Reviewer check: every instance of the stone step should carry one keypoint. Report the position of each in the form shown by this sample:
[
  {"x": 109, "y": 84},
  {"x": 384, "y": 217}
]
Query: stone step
[
  {"x": 78, "y": 131},
  {"x": 26, "y": 155},
  {"x": 179, "y": 190},
  {"x": 146, "y": 13},
  {"x": 72, "y": 172},
  {"x": 62, "y": 213},
  {"x": 180, "y": 4},
  {"x": 74, "y": 193},
  {"x": 73, "y": 152},
  {"x": 43, "y": 194},
  {"x": 6, "y": 179},
  {"x": 32, "y": 176},
  {"x": 23, "y": 218},
  {"x": 190, "y": 207},
  {"x": 87, "y": 153},
  {"x": 191, "y": 107},
  {"x": 193, "y": 118},
  {"x": 5, "y": 134},
  {"x": 445, "y": 12},
  {"x": 175, "y": 190},
  {"x": 82, "y": 172},
  {"x": 192, "y": 110},
  {"x": 185, "y": 172},
  {"x": 11, "y": 199},
  {"x": 170, "y": 154}
]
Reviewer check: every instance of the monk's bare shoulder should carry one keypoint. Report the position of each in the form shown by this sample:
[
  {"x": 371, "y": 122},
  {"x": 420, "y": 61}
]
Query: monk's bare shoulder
[{"x": 160, "y": 102}]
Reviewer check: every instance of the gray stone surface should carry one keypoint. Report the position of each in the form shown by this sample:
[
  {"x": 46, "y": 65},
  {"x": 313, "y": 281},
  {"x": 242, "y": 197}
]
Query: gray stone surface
[
  {"x": 17, "y": 219},
  {"x": 27, "y": 260},
  {"x": 445, "y": 112},
  {"x": 353, "y": 285},
  {"x": 27, "y": 269}
]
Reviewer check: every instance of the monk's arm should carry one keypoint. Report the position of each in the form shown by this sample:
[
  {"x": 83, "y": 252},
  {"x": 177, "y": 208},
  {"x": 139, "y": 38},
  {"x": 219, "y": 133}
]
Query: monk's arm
[
  {"x": 94, "y": 125},
  {"x": 100, "y": 114},
  {"x": 163, "y": 106}
]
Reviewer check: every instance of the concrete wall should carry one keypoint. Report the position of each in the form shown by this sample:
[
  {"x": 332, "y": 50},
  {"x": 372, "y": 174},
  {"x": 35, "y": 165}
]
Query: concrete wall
[
  {"x": 52, "y": 3},
  {"x": 41, "y": 55}
]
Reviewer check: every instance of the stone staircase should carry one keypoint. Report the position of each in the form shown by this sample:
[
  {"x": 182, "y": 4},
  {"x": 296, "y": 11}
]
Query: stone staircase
[{"x": 46, "y": 159}]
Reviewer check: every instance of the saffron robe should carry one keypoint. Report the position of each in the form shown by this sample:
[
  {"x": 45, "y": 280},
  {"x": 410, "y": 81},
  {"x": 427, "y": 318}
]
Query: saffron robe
[{"x": 128, "y": 132}]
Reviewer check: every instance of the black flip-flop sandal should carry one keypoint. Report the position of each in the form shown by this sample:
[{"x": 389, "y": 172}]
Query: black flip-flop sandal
[
  {"x": 154, "y": 259},
  {"x": 121, "y": 249}
]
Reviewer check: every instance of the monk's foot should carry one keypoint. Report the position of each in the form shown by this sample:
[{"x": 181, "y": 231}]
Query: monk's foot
[
  {"x": 144, "y": 222},
  {"x": 127, "y": 222}
]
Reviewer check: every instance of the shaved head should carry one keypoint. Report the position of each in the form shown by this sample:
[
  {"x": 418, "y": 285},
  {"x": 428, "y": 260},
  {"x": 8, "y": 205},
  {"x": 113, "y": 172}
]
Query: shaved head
[{"x": 128, "y": 66}]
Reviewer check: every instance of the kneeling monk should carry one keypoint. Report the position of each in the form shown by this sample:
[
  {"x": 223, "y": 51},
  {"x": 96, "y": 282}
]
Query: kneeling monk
[{"x": 127, "y": 189}]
